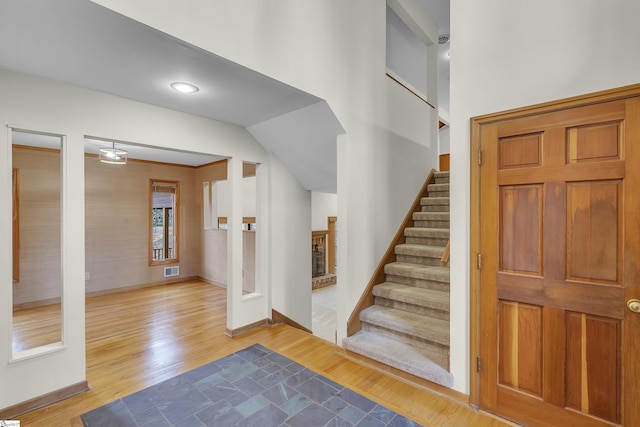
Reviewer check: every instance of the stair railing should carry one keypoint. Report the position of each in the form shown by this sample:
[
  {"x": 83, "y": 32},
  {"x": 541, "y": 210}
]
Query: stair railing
[
  {"x": 367, "y": 299},
  {"x": 445, "y": 255}
]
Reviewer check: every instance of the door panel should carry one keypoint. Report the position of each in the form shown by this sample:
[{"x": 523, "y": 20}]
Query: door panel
[
  {"x": 520, "y": 228},
  {"x": 520, "y": 351},
  {"x": 593, "y": 365},
  {"x": 593, "y": 227},
  {"x": 559, "y": 220}
]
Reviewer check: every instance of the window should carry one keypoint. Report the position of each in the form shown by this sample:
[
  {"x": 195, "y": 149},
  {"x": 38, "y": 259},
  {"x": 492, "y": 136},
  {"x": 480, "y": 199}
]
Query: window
[{"x": 164, "y": 222}]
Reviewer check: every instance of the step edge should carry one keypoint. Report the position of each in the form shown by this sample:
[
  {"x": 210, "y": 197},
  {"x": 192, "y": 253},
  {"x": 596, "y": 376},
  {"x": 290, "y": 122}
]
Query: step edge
[{"x": 440, "y": 375}]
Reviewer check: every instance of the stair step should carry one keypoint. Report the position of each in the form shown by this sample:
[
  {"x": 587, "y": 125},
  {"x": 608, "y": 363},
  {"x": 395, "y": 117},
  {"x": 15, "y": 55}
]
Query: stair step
[
  {"x": 441, "y": 233},
  {"x": 416, "y": 361},
  {"x": 426, "y": 302},
  {"x": 434, "y": 204},
  {"x": 441, "y": 177},
  {"x": 434, "y": 330},
  {"x": 434, "y": 201},
  {"x": 419, "y": 254},
  {"x": 426, "y": 236},
  {"x": 421, "y": 276},
  {"x": 423, "y": 251},
  {"x": 439, "y": 194},
  {"x": 431, "y": 216},
  {"x": 410, "y": 328},
  {"x": 438, "y": 190},
  {"x": 431, "y": 219}
]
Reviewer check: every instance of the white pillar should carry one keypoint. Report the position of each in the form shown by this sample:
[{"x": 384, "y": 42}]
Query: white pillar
[{"x": 234, "y": 241}]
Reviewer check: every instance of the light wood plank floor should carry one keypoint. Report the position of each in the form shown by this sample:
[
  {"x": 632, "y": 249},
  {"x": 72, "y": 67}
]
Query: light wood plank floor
[
  {"x": 37, "y": 326},
  {"x": 139, "y": 338}
]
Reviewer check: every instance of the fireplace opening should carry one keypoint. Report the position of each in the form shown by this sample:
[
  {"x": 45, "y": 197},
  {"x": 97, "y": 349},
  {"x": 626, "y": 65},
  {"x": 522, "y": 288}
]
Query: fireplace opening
[{"x": 320, "y": 276}]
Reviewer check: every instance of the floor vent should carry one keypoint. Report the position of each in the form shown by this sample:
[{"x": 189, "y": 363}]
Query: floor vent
[{"x": 172, "y": 271}]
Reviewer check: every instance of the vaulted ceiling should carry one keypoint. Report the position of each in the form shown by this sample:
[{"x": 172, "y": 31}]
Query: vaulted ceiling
[{"x": 85, "y": 44}]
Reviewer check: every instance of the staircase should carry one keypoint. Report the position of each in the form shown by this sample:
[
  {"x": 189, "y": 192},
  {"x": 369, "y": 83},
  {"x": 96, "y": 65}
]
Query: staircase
[{"x": 408, "y": 325}]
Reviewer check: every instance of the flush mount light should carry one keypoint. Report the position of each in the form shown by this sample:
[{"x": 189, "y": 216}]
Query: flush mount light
[
  {"x": 113, "y": 155},
  {"x": 184, "y": 87}
]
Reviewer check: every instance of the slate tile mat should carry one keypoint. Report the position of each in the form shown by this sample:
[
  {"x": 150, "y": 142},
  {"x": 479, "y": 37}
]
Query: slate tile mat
[{"x": 252, "y": 387}]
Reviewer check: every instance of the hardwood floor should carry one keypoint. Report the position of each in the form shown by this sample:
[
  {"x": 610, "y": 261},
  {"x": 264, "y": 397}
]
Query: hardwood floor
[
  {"x": 36, "y": 326},
  {"x": 139, "y": 338}
]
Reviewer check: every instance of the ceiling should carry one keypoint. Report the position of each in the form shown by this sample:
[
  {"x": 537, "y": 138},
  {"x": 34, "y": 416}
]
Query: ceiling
[
  {"x": 85, "y": 44},
  {"x": 82, "y": 43}
]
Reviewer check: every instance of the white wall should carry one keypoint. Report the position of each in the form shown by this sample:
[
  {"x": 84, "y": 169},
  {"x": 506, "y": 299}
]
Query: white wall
[
  {"x": 406, "y": 53},
  {"x": 445, "y": 142},
  {"x": 304, "y": 140},
  {"x": 37, "y": 104},
  {"x": 220, "y": 197},
  {"x": 508, "y": 54},
  {"x": 290, "y": 215},
  {"x": 323, "y": 205},
  {"x": 333, "y": 49},
  {"x": 219, "y": 201}
]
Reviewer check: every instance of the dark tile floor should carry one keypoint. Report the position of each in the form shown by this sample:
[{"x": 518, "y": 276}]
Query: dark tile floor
[{"x": 253, "y": 387}]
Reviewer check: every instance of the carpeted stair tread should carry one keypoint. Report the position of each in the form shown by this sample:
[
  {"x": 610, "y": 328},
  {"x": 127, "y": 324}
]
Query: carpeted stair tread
[
  {"x": 431, "y": 216},
  {"x": 416, "y": 271},
  {"x": 441, "y": 177},
  {"x": 442, "y": 233},
  {"x": 434, "y": 201},
  {"x": 438, "y": 188},
  {"x": 407, "y": 323},
  {"x": 412, "y": 295},
  {"x": 416, "y": 361},
  {"x": 425, "y": 251}
]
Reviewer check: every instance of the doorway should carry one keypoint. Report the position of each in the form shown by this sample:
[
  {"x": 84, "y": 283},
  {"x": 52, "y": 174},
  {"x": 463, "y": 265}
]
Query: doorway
[
  {"x": 558, "y": 252},
  {"x": 324, "y": 289}
]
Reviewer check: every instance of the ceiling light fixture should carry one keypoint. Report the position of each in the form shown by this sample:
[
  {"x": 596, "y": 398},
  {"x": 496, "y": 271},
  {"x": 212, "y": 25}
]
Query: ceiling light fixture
[
  {"x": 184, "y": 87},
  {"x": 113, "y": 155}
]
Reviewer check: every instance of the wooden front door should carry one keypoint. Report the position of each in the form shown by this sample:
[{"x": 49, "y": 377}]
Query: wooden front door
[{"x": 560, "y": 250}]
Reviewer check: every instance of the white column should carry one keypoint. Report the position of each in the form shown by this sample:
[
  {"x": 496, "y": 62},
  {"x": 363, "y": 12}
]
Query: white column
[
  {"x": 60, "y": 365},
  {"x": 234, "y": 241}
]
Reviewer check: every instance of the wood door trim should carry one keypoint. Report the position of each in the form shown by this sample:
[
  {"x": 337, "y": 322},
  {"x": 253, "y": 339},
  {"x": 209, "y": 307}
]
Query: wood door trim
[
  {"x": 614, "y": 94},
  {"x": 476, "y": 125},
  {"x": 331, "y": 252}
]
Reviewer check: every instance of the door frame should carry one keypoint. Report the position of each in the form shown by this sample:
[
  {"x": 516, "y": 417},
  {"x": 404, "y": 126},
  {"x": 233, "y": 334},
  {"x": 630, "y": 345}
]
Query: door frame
[
  {"x": 475, "y": 205},
  {"x": 331, "y": 244}
]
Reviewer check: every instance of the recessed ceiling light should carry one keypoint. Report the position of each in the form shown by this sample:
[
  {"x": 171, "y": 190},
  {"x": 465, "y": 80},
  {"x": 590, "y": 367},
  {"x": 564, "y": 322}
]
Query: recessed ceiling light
[{"x": 185, "y": 87}]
